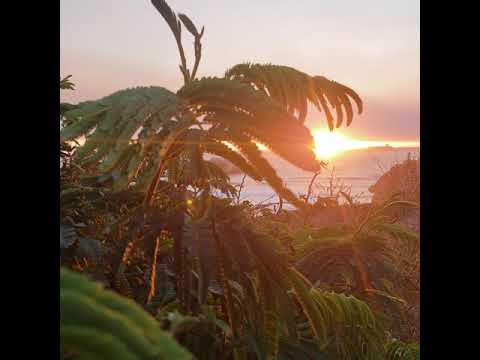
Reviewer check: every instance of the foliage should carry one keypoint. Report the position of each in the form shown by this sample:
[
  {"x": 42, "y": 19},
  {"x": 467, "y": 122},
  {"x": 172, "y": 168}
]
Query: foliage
[
  {"x": 399, "y": 350},
  {"x": 139, "y": 213},
  {"x": 369, "y": 258},
  {"x": 96, "y": 323},
  {"x": 294, "y": 89}
]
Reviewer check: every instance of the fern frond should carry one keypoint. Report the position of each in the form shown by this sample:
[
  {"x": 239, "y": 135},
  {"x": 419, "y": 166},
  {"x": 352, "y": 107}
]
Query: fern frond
[
  {"x": 398, "y": 350},
  {"x": 355, "y": 330},
  {"x": 222, "y": 150},
  {"x": 94, "y": 344},
  {"x": 115, "y": 120},
  {"x": 289, "y": 139},
  {"x": 302, "y": 290},
  {"x": 254, "y": 155},
  {"x": 294, "y": 89},
  {"x": 271, "y": 321},
  {"x": 84, "y": 304}
]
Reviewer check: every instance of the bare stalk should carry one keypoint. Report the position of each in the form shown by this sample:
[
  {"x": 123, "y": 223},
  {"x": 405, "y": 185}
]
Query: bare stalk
[
  {"x": 240, "y": 188},
  {"x": 309, "y": 192}
]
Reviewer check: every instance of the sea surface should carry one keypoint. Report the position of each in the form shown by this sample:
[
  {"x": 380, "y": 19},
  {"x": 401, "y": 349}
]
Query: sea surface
[{"x": 352, "y": 171}]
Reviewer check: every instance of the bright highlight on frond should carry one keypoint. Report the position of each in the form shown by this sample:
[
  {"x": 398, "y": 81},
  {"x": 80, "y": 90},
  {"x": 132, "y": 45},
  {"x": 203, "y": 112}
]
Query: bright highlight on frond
[{"x": 261, "y": 147}]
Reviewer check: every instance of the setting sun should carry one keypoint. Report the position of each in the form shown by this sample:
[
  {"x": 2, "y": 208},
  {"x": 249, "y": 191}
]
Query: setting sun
[{"x": 328, "y": 144}]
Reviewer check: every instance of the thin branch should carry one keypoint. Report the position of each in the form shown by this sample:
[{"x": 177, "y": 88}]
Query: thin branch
[
  {"x": 240, "y": 188},
  {"x": 183, "y": 67},
  {"x": 153, "y": 272},
  {"x": 310, "y": 186},
  {"x": 280, "y": 204}
]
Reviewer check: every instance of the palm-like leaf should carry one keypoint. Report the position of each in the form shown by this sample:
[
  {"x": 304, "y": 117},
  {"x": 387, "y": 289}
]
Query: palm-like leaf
[{"x": 294, "y": 89}]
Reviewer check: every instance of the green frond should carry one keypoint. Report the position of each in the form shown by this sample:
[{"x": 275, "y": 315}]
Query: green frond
[
  {"x": 124, "y": 107},
  {"x": 294, "y": 89},
  {"x": 398, "y": 350},
  {"x": 400, "y": 231},
  {"x": 111, "y": 123},
  {"x": 352, "y": 326},
  {"x": 86, "y": 308},
  {"x": 94, "y": 344},
  {"x": 271, "y": 320},
  {"x": 315, "y": 317}
]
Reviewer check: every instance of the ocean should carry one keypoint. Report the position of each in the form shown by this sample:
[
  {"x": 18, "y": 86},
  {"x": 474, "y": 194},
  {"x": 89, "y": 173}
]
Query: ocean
[{"x": 352, "y": 171}]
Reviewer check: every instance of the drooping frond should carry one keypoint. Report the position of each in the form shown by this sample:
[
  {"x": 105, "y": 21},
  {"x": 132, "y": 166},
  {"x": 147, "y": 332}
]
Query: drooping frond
[
  {"x": 302, "y": 288},
  {"x": 294, "y": 89},
  {"x": 235, "y": 105},
  {"x": 222, "y": 150},
  {"x": 288, "y": 139},
  {"x": 250, "y": 150}
]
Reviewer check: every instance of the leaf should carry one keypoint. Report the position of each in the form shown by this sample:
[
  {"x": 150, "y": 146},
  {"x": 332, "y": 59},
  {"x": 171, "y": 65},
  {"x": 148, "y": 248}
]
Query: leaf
[
  {"x": 189, "y": 24},
  {"x": 169, "y": 16},
  {"x": 315, "y": 317}
]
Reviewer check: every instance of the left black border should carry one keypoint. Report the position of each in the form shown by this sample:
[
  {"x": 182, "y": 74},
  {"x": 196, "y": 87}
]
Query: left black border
[{"x": 30, "y": 134}]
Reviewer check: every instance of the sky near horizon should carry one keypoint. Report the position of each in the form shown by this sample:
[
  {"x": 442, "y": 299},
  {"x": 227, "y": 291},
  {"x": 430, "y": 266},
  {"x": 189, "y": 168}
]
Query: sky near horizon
[{"x": 372, "y": 46}]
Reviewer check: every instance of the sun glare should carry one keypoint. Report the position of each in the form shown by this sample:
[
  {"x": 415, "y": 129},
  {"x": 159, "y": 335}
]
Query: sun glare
[{"x": 328, "y": 144}]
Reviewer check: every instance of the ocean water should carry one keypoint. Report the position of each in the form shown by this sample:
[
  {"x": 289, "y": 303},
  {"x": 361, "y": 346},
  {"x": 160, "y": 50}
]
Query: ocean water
[{"x": 354, "y": 171}]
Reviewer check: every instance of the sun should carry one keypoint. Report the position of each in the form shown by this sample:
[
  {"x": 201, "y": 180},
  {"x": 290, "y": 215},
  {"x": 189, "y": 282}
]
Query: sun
[{"x": 330, "y": 143}]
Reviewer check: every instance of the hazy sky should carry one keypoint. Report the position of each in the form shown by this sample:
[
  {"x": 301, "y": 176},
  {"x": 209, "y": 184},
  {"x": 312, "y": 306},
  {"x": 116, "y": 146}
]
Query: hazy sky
[{"x": 371, "y": 45}]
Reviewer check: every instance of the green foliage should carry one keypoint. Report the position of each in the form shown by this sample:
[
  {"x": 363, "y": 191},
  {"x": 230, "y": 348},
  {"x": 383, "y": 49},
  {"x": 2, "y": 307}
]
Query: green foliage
[
  {"x": 398, "y": 350},
  {"x": 123, "y": 329},
  {"x": 354, "y": 330}
]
